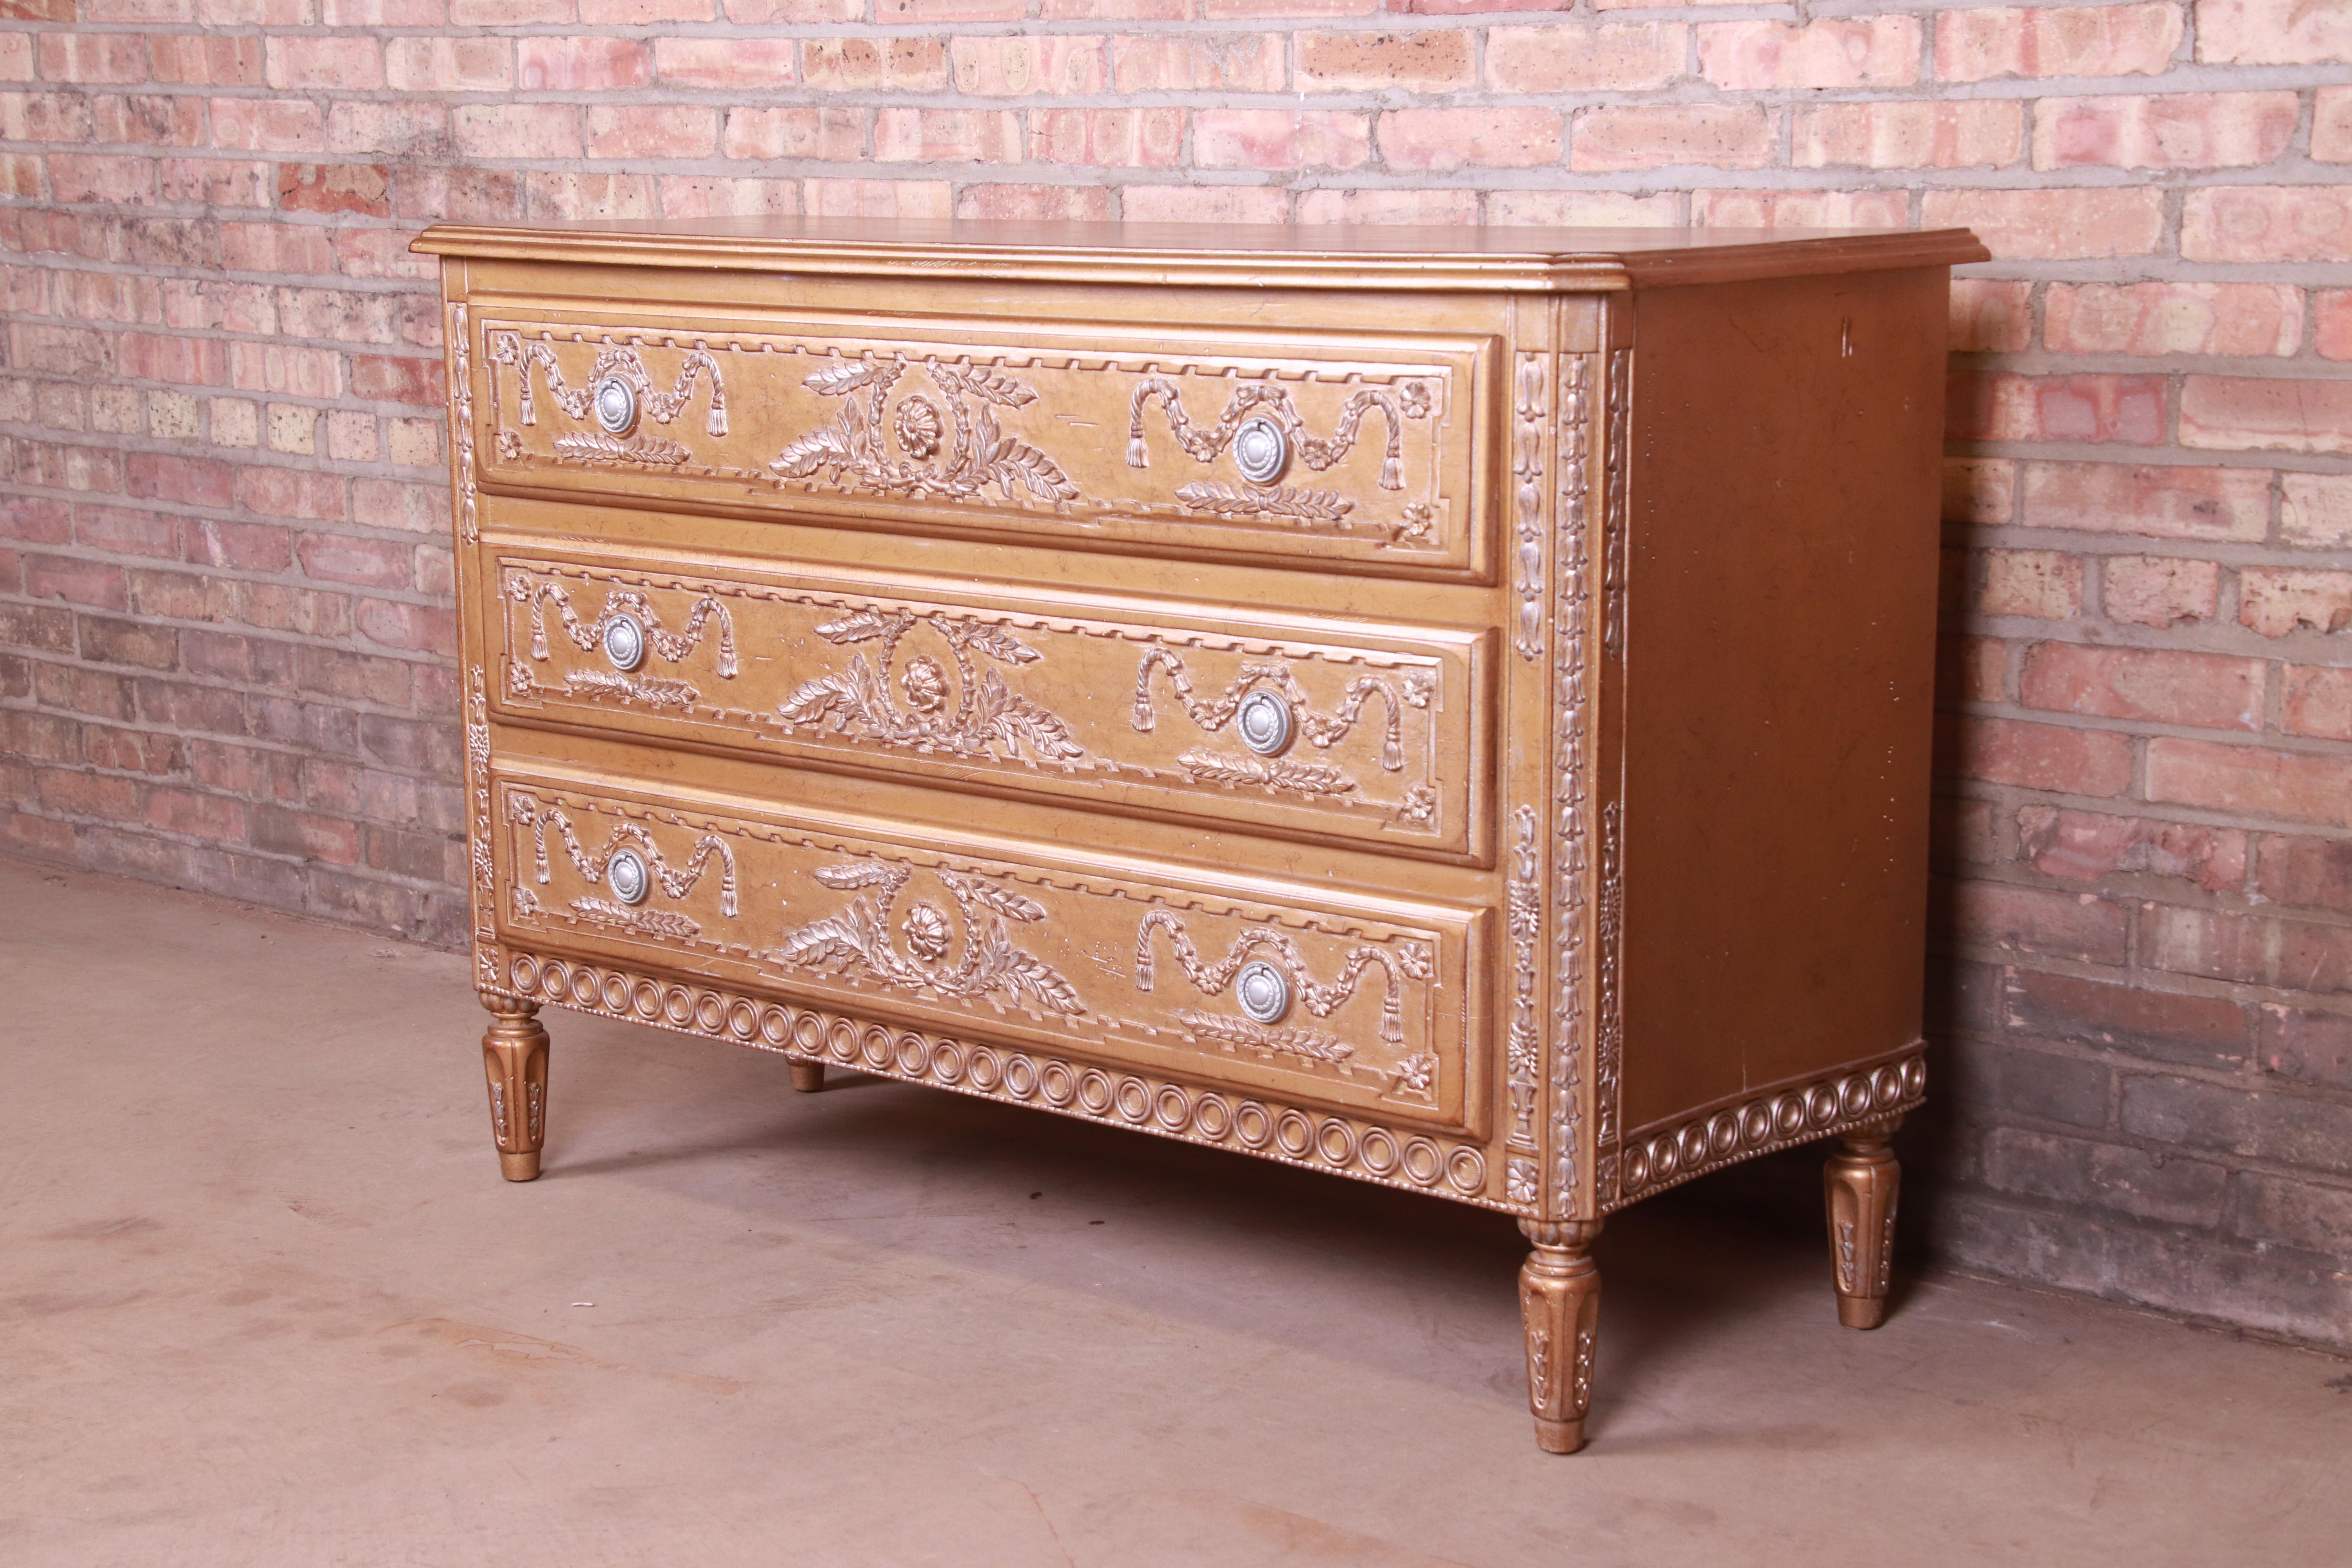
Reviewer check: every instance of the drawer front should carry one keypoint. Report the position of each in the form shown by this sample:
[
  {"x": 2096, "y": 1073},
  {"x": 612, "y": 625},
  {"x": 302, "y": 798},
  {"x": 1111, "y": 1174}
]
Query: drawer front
[
  {"x": 1357, "y": 731},
  {"x": 1295, "y": 447},
  {"x": 1362, "y": 1003}
]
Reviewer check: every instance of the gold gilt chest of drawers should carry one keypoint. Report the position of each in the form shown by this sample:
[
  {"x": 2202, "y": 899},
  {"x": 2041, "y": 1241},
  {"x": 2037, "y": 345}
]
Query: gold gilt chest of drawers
[{"x": 1444, "y": 708}]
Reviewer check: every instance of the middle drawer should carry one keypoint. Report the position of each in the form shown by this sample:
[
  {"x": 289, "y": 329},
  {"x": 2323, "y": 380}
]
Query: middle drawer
[{"x": 1355, "y": 731}]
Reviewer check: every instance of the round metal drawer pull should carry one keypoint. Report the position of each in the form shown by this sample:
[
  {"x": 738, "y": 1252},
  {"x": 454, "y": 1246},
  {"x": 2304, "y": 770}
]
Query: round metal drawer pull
[
  {"x": 628, "y": 878},
  {"x": 1263, "y": 991},
  {"x": 1263, "y": 722},
  {"x": 616, "y": 405},
  {"x": 1261, "y": 449},
  {"x": 624, "y": 642}
]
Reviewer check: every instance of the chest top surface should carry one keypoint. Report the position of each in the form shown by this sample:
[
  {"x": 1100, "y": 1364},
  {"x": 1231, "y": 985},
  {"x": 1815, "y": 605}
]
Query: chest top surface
[{"x": 1335, "y": 256}]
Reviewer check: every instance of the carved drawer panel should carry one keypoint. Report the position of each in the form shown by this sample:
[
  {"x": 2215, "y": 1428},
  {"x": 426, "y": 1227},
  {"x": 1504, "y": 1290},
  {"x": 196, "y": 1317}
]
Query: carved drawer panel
[
  {"x": 1350, "y": 730},
  {"x": 1298, "y": 446},
  {"x": 1357, "y": 1003}
]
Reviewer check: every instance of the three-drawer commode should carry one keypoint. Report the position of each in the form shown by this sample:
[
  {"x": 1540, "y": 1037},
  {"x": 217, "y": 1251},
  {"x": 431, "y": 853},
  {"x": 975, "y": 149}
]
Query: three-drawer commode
[{"x": 1447, "y": 708}]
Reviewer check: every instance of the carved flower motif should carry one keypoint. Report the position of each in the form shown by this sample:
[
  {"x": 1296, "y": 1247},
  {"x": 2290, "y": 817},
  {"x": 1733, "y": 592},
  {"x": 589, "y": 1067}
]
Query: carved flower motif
[
  {"x": 1415, "y": 398},
  {"x": 925, "y": 684},
  {"x": 918, "y": 426},
  {"x": 927, "y": 933}
]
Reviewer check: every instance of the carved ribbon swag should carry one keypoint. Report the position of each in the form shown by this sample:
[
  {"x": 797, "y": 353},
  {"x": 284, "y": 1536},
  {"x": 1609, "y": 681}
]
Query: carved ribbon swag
[
  {"x": 1323, "y": 730},
  {"x": 586, "y": 634},
  {"x": 1410, "y": 401},
  {"x": 509, "y": 349},
  {"x": 1409, "y": 962},
  {"x": 676, "y": 881}
]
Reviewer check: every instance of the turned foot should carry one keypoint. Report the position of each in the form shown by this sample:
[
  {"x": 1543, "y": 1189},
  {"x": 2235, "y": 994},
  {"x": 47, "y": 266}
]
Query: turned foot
[
  {"x": 514, "y": 1055},
  {"x": 807, "y": 1076},
  {"x": 1559, "y": 1302},
  {"x": 1861, "y": 1181}
]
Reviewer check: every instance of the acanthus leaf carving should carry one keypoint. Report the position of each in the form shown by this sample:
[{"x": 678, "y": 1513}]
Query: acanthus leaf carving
[
  {"x": 989, "y": 716},
  {"x": 1278, "y": 774},
  {"x": 647, "y": 451},
  {"x": 666, "y": 924},
  {"x": 860, "y": 939},
  {"x": 853, "y": 450},
  {"x": 1291, "y": 1039},
  {"x": 1284, "y": 500},
  {"x": 653, "y": 692}
]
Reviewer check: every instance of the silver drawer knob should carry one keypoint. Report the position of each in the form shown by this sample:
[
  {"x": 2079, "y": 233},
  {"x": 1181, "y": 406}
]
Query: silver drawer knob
[
  {"x": 1261, "y": 449},
  {"x": 1263, "y": 722},
  {"x": 1263, "y": 991},
  {"x": 616, "y": 405},
  {"x": 628, "y": 878},
  {"x": 624, "y": 642}
]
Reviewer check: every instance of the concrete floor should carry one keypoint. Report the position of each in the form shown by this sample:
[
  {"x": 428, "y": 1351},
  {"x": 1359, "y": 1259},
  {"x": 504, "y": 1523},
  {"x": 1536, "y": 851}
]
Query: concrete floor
[{"x": 264, "y": 1300}]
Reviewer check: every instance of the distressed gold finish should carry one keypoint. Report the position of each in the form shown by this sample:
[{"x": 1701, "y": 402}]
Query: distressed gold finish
[
  {"x": 1559, "y": 1302},
  {"x": 514, "y": 1059},
  {"x": 1862, "y": 1182},
  {"x": 1443, "y": 708}
]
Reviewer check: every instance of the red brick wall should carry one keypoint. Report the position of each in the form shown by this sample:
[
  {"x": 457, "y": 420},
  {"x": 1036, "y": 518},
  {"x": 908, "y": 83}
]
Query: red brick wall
[{"x": 225, "y": 629}]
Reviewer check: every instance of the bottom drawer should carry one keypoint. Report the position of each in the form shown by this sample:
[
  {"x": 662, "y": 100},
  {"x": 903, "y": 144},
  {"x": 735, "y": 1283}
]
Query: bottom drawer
[{"x": 1364, "y": 1004}]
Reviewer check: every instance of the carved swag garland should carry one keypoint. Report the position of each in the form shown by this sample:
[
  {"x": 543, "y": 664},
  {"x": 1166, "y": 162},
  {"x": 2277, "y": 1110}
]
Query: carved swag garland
[
  {"x": 873, "y": 445},
  {"x": 913, "y": 703}
]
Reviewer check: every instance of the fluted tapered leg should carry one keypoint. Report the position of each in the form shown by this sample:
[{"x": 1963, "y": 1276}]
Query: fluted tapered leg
[
  {"x": 514, "y": 1055},
  {"x": 1861, "y": 1181},
  {"x": 1559, "y": 1302},
  {"x": 807, "y": 1076}
]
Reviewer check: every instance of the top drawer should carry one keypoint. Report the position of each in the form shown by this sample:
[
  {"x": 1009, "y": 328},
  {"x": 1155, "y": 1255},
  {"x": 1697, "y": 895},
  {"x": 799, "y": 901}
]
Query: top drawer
[{"x": 1349, "y": 449}]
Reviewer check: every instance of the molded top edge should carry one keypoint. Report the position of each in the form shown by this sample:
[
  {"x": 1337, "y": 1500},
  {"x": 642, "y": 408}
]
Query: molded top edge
[{"x": 1259, "y": 255}]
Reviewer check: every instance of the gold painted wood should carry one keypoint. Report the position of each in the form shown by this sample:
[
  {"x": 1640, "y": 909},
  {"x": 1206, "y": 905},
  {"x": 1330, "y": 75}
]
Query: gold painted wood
[
  {"x": 514, "y": 1058},
  {"x": 1260, "y": 687},
  {"x": 1123, "y": 962},
  {"x": 1861, "y": 1182},
  {"x": 1084, "y": 433},
  {"x": 1092, "y": 700},
  {"x": 1559, "y": 1300},
  {"x": 1336, "y": 257}
]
